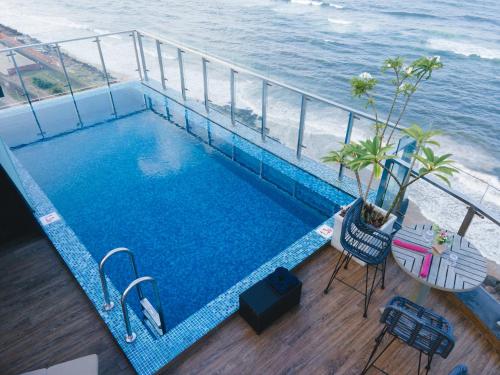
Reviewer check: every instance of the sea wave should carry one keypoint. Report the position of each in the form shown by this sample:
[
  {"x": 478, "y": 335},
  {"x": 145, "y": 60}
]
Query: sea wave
[
  {"x": 317, "y": 3},
  {"x": 410, "y": 14},
  {"x": 337, "y": 21},
  {"x": 481, "y": 20},
  {"x": 306, "y": 2},
  {"x": 464, "y": 48}
]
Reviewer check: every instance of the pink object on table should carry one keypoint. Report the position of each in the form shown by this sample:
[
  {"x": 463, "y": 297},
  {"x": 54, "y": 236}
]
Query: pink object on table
[
  {"x": 426, "y": 265},
  {"x": 410, "y": 246}
]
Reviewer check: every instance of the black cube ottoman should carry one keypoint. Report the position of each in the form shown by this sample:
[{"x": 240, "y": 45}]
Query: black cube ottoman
[{"x": 267, "y": 300}]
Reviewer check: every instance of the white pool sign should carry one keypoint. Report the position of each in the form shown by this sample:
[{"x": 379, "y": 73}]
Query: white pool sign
[
  {"x": 49, "y": 218},
  {"x": 325, "y": 231}
]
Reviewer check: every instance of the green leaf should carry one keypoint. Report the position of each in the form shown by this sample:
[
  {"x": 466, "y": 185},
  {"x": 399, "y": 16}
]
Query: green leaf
[{"x": 445, "y": 179}]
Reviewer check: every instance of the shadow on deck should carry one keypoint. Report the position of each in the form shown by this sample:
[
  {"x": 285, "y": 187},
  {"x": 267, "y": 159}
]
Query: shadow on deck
[{"x": 45, "y": 318}]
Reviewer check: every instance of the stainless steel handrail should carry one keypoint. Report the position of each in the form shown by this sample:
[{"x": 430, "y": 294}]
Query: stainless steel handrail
[
  {"x": 269, "y": 80},
  {"x": 131, "y": 336},
  {"x": 209, "y": 57},
  {"x": 108, "y": 305},
  {"x": 34, "y": 45}
]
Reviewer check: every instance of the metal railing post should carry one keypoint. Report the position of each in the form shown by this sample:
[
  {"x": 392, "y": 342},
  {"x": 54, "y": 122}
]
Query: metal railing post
[
  {"x": 181, "y": 73},
  {"x": 26, "y": 93},
  {"x": 347, "y": 139},
  {"x": 205, "y": 82},
  {"x": 300, "y": 136},
  {"x": 136, "y": 54},
  {"x": 59, "y": 54},
  {"x": 160, "y": 63},
  {"x": 263, "y": 128},
  {"x": 469, "y": 216},
  {"x": 233, "y": 94},
  {"x": 143, "y": 58},
  {"x": 106, "y": 76}
]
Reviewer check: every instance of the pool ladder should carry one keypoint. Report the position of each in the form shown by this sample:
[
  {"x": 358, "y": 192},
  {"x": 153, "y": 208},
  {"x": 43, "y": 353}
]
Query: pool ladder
[{"x": 153, "y": 317}]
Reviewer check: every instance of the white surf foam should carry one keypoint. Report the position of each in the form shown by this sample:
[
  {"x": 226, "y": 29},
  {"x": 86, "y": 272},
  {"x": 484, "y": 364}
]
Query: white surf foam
[
  {"x": 337, "y": 21},
  {"x": 464, "y": 48}
]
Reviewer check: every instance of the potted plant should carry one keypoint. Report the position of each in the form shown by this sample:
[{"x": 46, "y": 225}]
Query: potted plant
[{"x": 372, "y": 153}]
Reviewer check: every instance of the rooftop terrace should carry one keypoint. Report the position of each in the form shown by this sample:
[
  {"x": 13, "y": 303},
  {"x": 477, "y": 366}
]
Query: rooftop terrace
[{"x": 50, "y": 281}]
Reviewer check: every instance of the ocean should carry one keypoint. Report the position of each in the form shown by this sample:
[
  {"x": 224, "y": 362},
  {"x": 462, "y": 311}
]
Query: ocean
[{"x": 318, "y": 46}]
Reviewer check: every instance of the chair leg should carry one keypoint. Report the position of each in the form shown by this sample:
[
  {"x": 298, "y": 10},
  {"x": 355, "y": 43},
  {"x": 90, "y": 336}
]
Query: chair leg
[
  {"x": 428, "y": 367},
  {"x": 348, "y": 261},
  {"x": 378, "y": 341},
  {"x": 383, "y": 274},
  {"x": 368, "y": 295},
  {"x": 419, "y": 362},
  {"x": 338, "y": 266}
]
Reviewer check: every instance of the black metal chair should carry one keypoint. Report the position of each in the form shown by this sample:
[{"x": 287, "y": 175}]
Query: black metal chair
[
  {"x": 417, "y": 327},
  {"x": 366, "y": 243}
]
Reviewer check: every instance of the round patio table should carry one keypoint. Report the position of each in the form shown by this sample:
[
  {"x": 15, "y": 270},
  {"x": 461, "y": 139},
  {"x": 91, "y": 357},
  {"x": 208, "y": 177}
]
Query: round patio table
[{"x": 467, "y": 273}]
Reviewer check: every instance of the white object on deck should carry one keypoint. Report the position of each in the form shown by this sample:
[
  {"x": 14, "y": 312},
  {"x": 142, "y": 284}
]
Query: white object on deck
[{"x": 88, "y": 365}]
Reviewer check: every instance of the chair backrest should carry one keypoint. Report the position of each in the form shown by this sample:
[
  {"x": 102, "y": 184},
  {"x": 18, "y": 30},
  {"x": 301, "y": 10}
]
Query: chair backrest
[
  {"x": 362, "y": 240},
  {"x": 418, "y": 327}
]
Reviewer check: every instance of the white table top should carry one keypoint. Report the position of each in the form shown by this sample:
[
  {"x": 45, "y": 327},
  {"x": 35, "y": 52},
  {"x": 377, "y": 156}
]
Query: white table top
[{"x": 469, "y": 272}]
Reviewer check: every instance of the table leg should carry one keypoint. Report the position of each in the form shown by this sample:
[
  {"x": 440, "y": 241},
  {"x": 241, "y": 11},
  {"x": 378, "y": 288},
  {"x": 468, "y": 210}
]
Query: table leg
[{"x": 420, "y": 293}]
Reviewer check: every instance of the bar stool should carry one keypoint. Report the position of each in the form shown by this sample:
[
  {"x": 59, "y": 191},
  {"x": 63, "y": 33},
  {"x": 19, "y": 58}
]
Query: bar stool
[{"x": 417, "y": 327}]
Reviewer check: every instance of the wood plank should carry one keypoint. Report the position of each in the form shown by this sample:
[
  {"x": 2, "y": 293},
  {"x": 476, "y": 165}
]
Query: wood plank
[{"x": 45, "y": 318}]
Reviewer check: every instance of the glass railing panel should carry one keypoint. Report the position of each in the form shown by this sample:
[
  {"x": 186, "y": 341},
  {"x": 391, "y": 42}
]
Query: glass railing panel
[
  {"x": 119, "y": 56},
  {"x": 170, "y": 59},
  {"x": 121, "y": 66},
  {"x": 197, "y": 125},
  {"x": 17, "y": 124},
  {"x": 150, "y": 53},
  {"x": 41, "y": 71},
  {"x": 193, "y": 76},
  {"x": 248, "y": 101},
  {"x": 485, "y": 236},
  {"x": 324, "y": 130},
  {"x": 83, "y": 64},
  {"x": 219, "y": 90},
  {"x": 12, "y": 94},
  {"x": 283, "y": 115},
  {"x": 436, "y": 205}
]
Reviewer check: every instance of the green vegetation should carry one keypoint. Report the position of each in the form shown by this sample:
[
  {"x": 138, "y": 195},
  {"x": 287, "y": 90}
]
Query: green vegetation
[
  {"x": 45, "y": 84},
  {"x": 374, "y": 151}
]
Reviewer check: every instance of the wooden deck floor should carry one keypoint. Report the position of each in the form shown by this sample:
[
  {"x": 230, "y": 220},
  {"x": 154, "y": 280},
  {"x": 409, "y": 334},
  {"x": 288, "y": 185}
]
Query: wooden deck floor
[
  {"x": 327, "y": 334},
  {"x": 45, "y": 318}
]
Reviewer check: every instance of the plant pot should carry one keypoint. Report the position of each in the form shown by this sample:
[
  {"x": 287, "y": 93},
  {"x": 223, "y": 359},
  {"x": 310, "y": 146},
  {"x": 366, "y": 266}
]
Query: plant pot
[{"x": 337, "y": 229}]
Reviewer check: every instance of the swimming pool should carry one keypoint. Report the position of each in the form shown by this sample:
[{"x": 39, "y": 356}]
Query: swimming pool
[
  {"x": 206, "y": 211},
  {"x": 197, "y": 222}
]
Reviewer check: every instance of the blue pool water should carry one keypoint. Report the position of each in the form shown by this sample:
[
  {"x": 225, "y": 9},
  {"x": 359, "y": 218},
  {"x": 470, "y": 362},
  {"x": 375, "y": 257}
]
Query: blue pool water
[{"x": 197, "y": 221}]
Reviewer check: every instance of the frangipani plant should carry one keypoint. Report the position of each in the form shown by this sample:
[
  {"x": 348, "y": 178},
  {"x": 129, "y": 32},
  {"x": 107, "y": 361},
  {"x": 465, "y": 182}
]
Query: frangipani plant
[{"x": 373, "y": 152}]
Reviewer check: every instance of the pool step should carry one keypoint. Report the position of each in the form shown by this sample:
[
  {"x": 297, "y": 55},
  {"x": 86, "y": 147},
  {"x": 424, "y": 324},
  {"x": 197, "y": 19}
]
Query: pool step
[{"x": 151, "y": 316}]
